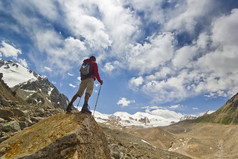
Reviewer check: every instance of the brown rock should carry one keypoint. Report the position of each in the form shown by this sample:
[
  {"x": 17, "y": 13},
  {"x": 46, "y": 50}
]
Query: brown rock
[
  {"x": 74, "y": 135},
  {"x": 6, "y": 114}
]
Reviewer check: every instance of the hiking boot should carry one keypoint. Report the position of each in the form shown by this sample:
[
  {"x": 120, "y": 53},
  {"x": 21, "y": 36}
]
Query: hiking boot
[
  {"x": 69, "y": 108},
  {"x": 85, "y": 109}
]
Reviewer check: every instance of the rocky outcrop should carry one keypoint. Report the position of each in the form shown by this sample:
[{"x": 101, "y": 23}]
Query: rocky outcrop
[
  {"x": 28, "y": 102},
  {"x": 75, "y": 135},
  {"x": 41, "y": 91},
  {"x": 16, "y": 114},
  {"x": 7, "y": 95},
  {"x": 30, "y": 86}
]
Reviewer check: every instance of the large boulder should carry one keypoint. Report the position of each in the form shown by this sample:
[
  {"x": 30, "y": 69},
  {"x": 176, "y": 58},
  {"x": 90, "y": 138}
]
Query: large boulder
[{"x": 74, "y": 135}]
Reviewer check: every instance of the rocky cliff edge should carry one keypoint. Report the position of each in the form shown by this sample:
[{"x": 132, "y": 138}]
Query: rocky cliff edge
[{"x": 63, "y": 135}]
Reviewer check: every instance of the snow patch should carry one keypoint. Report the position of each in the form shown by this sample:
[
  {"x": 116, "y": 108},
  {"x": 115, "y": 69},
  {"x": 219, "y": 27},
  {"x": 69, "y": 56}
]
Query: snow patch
[
  {"x": 50, "y": 90},
  {"x": 148, "y": 143},
  {"x": 14, "y": 73}
]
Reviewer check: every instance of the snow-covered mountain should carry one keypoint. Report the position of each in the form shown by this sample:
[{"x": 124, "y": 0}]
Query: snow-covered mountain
[
  {"x": 14, "y": 73},
  {"x": 32, "y": 87},
  {"x": 140, "y": 119},
  {"x": 158, "y": 117}
]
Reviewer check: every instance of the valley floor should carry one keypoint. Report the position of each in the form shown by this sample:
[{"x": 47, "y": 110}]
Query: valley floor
[
  {"x": 195, "y": 140},
  {"x": 205, "y": 140}
]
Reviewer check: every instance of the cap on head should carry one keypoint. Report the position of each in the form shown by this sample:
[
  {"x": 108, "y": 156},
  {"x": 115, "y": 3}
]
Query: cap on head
[{"x": 93, "y": 58}]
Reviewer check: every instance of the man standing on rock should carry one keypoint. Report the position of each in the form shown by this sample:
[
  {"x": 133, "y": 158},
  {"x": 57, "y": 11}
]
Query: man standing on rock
[{"x": 89, "y": 73}]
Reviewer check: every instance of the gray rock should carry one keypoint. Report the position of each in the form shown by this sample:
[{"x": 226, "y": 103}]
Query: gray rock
[
  {"x": 12, "y": 126},
  {"x": 4, "y": 103},
  {"x": 23, "y": 124}
]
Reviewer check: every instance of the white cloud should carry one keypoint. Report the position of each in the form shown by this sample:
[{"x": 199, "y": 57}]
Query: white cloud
[
  {"x": 70, "y": 74},
  {"x": 79, "y": 78},
  {"x": 47, "y": 8},
  {"x": 149, "y": 56},
  {"x": 108, "y": 67},
  {"x": 57, "y": 49},
  {"x": 153, "y": 11},
  {"x": 47, "y": 39},
  {"x": 187, "y": 15},
  {"x": 121, "y": 23},
  {"x": 184, "y": 56},
  {"x": 9, "y": 51},
  {"x": 54, "y": 82},
  {"x": 220, "y": 65},
  {"x": 71, "y": 85},
  {"x": 112, "y": 68},
  {"x": 81, "y": 23},
  {"x": 224, "y": 29},
  {"x": 167, "y": 89},
  {"x": 23, "y": 62},
  {"x": 134, "y": 83},
  {"x": 175, "y": 106},
  {"x": 207, "y": 66},
  {"x": 48, "y": 69},
  {"x": 203, "y": 41},
  {"x": 124, "y": 102}
]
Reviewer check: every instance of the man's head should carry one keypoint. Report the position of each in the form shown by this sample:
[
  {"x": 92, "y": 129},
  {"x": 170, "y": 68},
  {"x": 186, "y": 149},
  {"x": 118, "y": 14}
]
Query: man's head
[{"x": 93, "y": 58}]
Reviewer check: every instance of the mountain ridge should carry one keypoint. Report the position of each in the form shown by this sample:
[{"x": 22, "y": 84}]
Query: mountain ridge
[
  {"x": 32, "y": 87},
  {"x": 227, "y": 114}
]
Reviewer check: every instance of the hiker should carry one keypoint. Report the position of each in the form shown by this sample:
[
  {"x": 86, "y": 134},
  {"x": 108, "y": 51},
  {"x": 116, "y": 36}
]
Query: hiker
[{"x": 87, "y": 82}]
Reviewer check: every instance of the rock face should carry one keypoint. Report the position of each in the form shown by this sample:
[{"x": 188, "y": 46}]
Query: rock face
[
  {"x": 42, "y": 92},
  {"x": 75, "y": 135},
  {"x": 30, "y": 99},
  {"x": 16, "y": 114}
]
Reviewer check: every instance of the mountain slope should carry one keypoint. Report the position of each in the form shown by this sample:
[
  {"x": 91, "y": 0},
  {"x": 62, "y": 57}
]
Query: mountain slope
[
  {"x": 6, "y": 94},
  {"x": 227, "y": 114},
  {"x": 204, "y": 140},
  {"x": 32, "y": 87},
  {"x": 127, "y": 146},
  {"x": 14, "y": 73},
  {"x": 74, "y": 135},
  {"x": 41, "y": 91},
  {"x": 29, "y": 102},
  {"x": 16, "y": 114}
]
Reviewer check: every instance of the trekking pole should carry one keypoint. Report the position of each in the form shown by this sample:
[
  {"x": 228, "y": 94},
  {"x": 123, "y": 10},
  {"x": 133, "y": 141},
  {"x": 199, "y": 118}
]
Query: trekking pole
[
  {"x": 79, "y": 102},
  {"x": 97, "y": 100}
]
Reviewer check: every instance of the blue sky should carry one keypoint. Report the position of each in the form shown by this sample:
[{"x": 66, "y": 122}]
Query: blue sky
[{"x": 177, "y": 54}]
